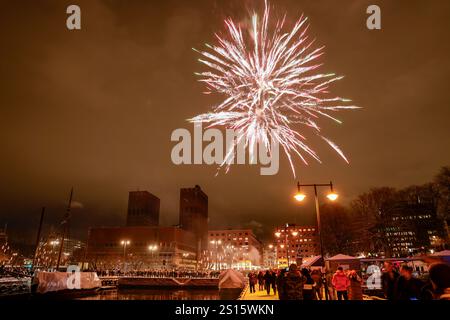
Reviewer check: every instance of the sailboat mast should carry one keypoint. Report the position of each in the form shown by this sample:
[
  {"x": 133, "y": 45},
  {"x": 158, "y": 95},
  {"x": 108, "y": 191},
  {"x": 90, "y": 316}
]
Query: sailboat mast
[
  {"x": 38, "y": 238},
  {"x": 65, "y": 226}
]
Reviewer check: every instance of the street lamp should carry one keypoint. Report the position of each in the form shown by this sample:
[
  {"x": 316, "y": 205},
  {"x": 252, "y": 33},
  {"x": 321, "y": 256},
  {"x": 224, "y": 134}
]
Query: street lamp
[
  {"x": 152, "y": 248},
  {"x": 299, "y": 196},
  {"x": 273, "y": 256},
  {"x": 125, "y": 243},
  {"x": 332, "y": 196}
]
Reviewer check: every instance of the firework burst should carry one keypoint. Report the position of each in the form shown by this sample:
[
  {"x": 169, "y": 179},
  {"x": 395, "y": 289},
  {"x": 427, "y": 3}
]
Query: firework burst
[{"x": 270, "y": 83}]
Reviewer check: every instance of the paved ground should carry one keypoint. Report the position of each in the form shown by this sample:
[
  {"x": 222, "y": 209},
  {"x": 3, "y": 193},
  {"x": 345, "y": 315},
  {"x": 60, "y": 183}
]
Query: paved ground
[
  {"x": 262, "y": 295},
  {"x": 259, "y": 295}
]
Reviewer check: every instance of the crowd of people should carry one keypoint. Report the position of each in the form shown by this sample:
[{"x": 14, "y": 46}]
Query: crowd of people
[
  {"x": 156, "y": 273},
  {"x": 292, "y": 284},
  {"x": 400, "y": 283},
  {"x": 7, "y": 271},
  {"x": 304, "y": 284}
]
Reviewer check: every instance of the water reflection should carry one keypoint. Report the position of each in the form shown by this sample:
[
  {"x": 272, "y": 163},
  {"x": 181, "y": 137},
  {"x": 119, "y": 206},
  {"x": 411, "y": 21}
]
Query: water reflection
[{"x": 155, "y": 294}]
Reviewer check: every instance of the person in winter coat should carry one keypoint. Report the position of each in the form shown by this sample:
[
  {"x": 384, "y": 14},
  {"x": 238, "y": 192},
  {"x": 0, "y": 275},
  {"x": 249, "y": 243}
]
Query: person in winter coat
[
  {"x": 355, "y": 289},
  {"x": 273, "y": 282},
  {"x": 280, "y": 284},
  {"x": 407, "y": 287},
  {"x": 308, "y": 287},
  {"x": 341, "y": 283},
  {"x": 316, "y": 275},
  {"x": 267, "y": 281},
  {"x": 440, "y": 280},
  {"x": 293, "y": 284},
  {"x": 388, "y": 280},
  {"x": 252, "y": 280},
  {"x": 260, "y": 281}
]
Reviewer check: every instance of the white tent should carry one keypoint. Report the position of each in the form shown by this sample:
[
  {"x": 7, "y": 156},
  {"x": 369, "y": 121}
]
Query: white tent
[
  {"x": 311, "y": 262},
  {"x": 58, "y": 281},
  {"x": 340, "y": 257},
  {"x": 445, "y": 253}
]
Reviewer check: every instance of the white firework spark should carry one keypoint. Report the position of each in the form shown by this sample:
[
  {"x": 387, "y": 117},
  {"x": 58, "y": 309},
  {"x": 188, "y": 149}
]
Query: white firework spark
[{"x": 270, "y": 85}]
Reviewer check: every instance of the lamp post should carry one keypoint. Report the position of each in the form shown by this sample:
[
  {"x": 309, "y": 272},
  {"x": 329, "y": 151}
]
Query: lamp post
[
  {"x": 273, "y": 253},
  {"x": 216, "y": 243},
  {"x": 124, "y": 243},
  {"x": 286, "y": 238},
  {"x": 152, "y": 248},
  {"x": 332, "y": 196}
]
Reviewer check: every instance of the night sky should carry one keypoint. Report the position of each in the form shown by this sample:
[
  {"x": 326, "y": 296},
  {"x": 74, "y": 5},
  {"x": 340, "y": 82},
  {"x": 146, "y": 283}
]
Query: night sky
[{"x": 95, "y": 108}]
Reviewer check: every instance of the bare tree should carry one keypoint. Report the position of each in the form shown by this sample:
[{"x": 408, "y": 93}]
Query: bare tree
[
  {"x": 336, "y": 232},
  {"x": 371, "y": 211},
  {"x": 442, "y": 185}
]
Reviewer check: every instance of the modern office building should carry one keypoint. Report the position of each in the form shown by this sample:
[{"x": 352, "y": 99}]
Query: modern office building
[
  {"x": 194, "y": 214},
  {"x": 412, "y": 228}
]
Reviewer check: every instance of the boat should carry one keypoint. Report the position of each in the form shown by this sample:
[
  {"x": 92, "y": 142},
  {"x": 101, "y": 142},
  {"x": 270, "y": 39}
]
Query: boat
[{"x": 64, "y": 284}]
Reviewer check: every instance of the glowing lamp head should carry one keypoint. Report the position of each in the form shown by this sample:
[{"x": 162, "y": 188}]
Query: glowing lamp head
[
  {"x": 294, "y": 233},
  {"x": 277, "y": 234},
  {"x": 332, "y": 196},
  {"x": 300, "y": 196}
]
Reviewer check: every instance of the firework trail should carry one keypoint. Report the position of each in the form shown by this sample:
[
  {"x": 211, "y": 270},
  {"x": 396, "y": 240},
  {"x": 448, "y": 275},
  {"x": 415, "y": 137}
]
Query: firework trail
[{"x": 270, "y": 85}]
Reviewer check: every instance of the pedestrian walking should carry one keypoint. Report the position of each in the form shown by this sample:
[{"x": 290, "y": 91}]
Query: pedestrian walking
[
  {"x": 316, "y": 275},
  {"x": 260, "y": 281},
  {"x": 308, "y": 287},
  {"x": 281, "y": 278},
  {"x": 273, "y": 281},
  {"x": 341, "y": 283},
  {"x": 267, "y": 281},
  {"x": 407, "y": 287},
  {"x": 252, "y": 280},
  {"x": 388, "y": 280}
]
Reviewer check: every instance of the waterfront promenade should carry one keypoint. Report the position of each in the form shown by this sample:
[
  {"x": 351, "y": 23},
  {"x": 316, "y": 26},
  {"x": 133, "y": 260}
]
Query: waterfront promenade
[{"x": 258, "y": 295}]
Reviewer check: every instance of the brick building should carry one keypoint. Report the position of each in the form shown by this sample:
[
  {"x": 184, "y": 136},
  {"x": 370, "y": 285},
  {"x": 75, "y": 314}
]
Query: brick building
[
  {"x": 143, "y": 209},
  {"x": 294, "y": 242},
  {"x": 144, "y": 244},
  {"x": 194, "y": 214},
  {"x": 142, "y": 247}
]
